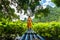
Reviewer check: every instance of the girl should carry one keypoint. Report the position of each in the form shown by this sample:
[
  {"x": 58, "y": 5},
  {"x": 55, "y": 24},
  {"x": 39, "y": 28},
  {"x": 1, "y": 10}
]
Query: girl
[{"x": 29, "y": 22}]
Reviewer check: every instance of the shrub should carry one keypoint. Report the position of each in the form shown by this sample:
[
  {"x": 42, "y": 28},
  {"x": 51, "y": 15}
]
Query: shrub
[{"x": 49, "y": 30}]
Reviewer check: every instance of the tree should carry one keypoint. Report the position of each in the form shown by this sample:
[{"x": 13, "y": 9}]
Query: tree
[
  {"x": 5, "y": 10},
  {"x": 24, "y": 4},
  {"x": 57, "y": 2}
]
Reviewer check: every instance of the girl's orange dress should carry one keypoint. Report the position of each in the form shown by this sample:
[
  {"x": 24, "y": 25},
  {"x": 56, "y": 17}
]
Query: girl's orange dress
[{"x": 29, "y": 22}]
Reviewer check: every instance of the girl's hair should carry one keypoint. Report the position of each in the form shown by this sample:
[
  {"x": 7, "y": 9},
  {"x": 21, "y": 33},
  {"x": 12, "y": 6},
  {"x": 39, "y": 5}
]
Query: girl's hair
[{"x": 29, "y": 16}]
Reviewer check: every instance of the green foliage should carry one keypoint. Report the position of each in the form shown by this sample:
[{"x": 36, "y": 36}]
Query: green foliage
[
  {"x": 7, "y": 12},
  {"x": 48, "y": 29},
  {"x": 9, "y": 28},
  {"x": 52, "y": 15},
  {"x": 57, "y": 2},
  {"x": 42, "y": 12},
  {"x": 0, "y": 7},
  {"x": 23, "y": 4}
]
